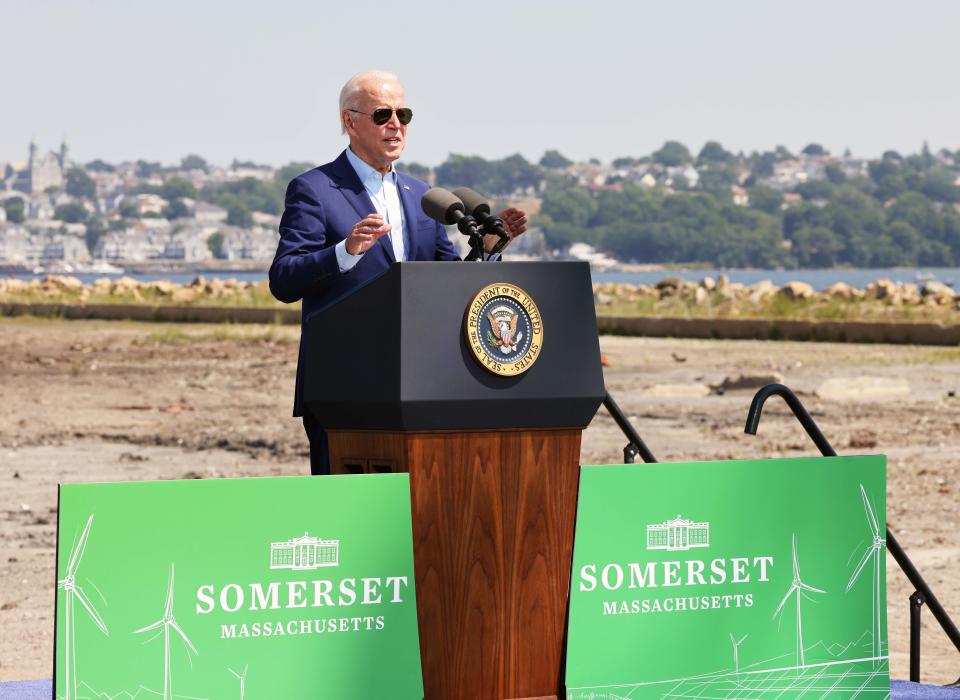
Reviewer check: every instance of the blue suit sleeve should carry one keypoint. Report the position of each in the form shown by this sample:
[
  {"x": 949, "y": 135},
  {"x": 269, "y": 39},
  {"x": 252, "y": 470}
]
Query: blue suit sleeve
[
  {"x": 304, "y": 258},
  {"x": 444, "y": 248}
]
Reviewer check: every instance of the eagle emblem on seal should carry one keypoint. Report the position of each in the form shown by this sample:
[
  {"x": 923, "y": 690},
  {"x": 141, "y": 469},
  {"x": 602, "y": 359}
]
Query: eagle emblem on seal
[
  {"x": 503, "y": 334},
  {"x": 502, "y": 329}
]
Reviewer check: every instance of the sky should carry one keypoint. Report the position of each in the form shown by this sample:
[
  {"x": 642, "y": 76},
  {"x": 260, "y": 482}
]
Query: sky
[{"x": 127, "y": 79}]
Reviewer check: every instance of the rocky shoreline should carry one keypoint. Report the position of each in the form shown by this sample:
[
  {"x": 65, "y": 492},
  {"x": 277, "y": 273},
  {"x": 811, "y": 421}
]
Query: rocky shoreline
[{"x": 881, "y": 300}]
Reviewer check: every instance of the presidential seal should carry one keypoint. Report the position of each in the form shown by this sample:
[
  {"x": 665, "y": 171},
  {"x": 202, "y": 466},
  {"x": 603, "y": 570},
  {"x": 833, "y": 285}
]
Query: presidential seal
[{"x": 503, "y": 329}]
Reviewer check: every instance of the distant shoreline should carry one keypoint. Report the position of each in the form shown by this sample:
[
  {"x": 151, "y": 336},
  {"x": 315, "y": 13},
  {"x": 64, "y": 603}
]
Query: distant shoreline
[{"x": 637, "y": 274}]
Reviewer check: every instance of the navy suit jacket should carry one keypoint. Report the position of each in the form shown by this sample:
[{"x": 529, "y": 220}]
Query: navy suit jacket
[{"x": 322, "y": 206}]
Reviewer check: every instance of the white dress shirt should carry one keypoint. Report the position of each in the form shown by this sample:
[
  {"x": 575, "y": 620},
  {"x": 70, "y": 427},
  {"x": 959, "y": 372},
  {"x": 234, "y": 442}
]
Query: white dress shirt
[{"x": 386, "y": 200}]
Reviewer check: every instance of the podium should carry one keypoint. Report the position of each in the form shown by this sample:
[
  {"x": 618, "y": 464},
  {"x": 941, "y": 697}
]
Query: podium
[{"x": 493, "y": 460}]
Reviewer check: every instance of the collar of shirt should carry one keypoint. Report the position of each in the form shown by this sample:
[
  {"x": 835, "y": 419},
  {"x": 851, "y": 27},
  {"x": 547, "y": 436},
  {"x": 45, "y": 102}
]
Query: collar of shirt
[{"x": 371, "y": 179}]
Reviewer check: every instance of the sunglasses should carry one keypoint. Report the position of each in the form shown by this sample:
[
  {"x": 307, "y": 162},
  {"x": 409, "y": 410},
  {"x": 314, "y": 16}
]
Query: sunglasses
[{"x": 382, "y": 115}]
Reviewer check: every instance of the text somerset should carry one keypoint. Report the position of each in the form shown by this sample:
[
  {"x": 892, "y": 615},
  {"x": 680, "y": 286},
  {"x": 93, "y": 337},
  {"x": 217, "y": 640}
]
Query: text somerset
[{"x": 671, "y": 574}]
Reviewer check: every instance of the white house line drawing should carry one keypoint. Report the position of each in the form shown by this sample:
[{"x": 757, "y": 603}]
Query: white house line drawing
[
  {"x": 304, "y": 553},
  {"x": 242, "y": 677},
  {"x": 678, "y": 534},
  {"x": 74, "y": 594},
  {"x": 736, "y": 651},
  {"x": 168, "y": 621},
  {"x": 875, "y": 551},
  {"x": 798, "y": 587}
]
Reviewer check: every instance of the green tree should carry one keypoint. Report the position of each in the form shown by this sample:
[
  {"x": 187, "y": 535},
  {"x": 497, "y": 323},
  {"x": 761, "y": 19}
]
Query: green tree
[
  {"x": 421, "y": 172},
  {"x": 554, "y": 160},
  {"x": 239, "y": 215},
  {"x": 718, "y": 181},
  {"x": 573, "y": 205},
  {"x": 624, "y": 162},
  {"x": 714, "y": 152},
  {"x": 815, "y": 189},
  {"x": 177, "y": 187},
  {"x": 148, "y": 168},
  {"x": 71, "y": 213},
  {"x": 680, "y": 183},
  {"x": 79, "y": 184},
  {"x": 464, "y": 171},
  {"x": 938, "y": 186},
  {"x": 763, "y": 165},
  {"x": 887, "y": 176},
  {"x": 215, "y": 244},
  {"x": 128, "y": 209},
  {"x": 513, "y": 173},
  {"x": 783, "y": 153},
  {"x": 15, "y": 210},
  {"x": 289, "y": 171},
  {"x": 99, "y": 166},
  {"x": 672, "y": 153},
  {"x": 193, "y": 162},
  {"x": 814, "y": 149},
  {"x": 177, "y": 209},
  {"x": 835, "y": 174},
  {"x": 94, "y": 232},
  {"x": 907, "y": 242},
  {"x": 249, "y": 193},
  {"x": 766, "y": 199},
  {"x": 816, "y": 246}
]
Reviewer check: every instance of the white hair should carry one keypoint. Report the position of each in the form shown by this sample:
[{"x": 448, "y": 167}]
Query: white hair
[{"x": 350, "y": 92}]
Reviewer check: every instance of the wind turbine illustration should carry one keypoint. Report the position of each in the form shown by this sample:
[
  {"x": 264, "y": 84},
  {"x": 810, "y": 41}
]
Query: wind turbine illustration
[
  {"x": 242, "y": 677},
  {"x": 736, "y": 651},
  {"x": 75, "y": 594},
  {"x": 874, "y": 551},
  {"x": 168, "y": 622},
  {"x": 798, "y": 587}
]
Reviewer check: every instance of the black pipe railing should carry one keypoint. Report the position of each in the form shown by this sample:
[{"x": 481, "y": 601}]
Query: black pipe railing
[
  {"x": 922, "y": 590},
  {"x": 636, "y": 446}
]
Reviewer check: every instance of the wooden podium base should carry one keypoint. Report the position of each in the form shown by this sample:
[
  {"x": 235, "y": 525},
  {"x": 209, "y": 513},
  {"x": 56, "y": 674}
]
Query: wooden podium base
[{"x": 493, "y": 518}]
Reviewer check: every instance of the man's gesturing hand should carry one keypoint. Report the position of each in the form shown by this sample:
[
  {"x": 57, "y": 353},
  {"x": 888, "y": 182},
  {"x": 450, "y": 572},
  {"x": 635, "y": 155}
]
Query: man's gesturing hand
[
  {"x": 365, "y": 234},
  {"x": 515, "y": 223}
]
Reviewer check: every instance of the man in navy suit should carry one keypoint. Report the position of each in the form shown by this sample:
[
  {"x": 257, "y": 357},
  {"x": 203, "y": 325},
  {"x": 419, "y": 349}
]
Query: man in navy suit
[{"x": 346, "y": 222}]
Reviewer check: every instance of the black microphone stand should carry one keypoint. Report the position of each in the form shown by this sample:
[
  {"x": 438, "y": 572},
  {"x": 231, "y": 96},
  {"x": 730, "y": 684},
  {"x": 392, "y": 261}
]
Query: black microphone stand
[{"x": 468, "y": 227}]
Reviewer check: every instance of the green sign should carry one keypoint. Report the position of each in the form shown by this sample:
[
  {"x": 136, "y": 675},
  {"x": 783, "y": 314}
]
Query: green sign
[
  {"x": 759, "y": 579},
  {"x": 237, "y": 588}
]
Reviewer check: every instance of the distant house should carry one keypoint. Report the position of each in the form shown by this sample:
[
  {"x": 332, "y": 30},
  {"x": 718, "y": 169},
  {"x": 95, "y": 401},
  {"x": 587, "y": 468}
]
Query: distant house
[
  {"x": 791, "y": 199},
  {"x": 249, "y": 244},
  {"x": 787, "y": 174},
  {"x": 150, "y": 204},
  {"x": 41, "y": 208},
  {"x": 48, "y": 227},
  {"x": 741, "y": 197},
  {"x": 15, "y": 244},
  {"x": 207, "y": 213},
  {"x": 65, "y": 248},
  {"x": 145, "y": 240},
  {"x": 266, "y": 220},
  {"x": 648, "y": 180},
  {"x": 187, "y": 246}
]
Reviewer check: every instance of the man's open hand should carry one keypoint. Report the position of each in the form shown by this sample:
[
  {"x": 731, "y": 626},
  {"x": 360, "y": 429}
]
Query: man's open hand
[
  {"x": 366, "y": 233},
  {"x": 515, "y": 223}
]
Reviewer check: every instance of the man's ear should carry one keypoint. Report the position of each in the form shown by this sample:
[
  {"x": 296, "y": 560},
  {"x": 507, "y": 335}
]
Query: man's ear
[{"x": 347, "y": 119}]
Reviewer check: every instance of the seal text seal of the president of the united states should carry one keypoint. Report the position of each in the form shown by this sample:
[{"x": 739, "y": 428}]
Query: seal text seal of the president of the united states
[{"x": 503, "y": 329}]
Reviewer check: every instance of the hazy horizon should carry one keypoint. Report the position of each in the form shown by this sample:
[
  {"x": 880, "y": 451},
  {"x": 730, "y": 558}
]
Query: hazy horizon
[{"x": 128, "y": 81}]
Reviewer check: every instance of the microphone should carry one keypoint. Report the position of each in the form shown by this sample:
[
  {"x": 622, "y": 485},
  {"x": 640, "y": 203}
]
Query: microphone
[
  {"x": 444, "y": 206},
  {"x": 479, "y": 207}
]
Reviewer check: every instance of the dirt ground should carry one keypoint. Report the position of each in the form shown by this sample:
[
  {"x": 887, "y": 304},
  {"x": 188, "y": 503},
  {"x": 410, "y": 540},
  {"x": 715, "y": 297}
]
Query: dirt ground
[{"x": 108, "y": 401}]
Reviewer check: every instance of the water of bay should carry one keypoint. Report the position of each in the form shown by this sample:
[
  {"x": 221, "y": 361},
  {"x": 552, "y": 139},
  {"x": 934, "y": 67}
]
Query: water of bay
[{"x": 818, "y": 279}]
